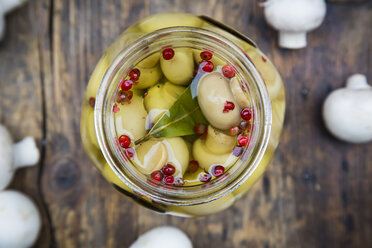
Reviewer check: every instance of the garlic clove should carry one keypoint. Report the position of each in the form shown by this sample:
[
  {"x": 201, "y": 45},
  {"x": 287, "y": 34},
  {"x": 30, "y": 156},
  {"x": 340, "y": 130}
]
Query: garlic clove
[
  {"x": 134, "y": 127},
  {"x": 148, "y": 77},
  {"x": 152, "y": 155},
  {"x": 179, "y": 69},
  {"x": 163, "y": 237},
  {"x": 178, "y": 154},
  {"x": 150, "y": 61}
]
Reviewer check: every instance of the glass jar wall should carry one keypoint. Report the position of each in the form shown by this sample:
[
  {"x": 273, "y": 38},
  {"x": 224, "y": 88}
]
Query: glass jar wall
[{"x": 140, "y": 47}]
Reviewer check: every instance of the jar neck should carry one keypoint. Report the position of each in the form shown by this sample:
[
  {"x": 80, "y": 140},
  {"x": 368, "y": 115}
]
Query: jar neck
[{"x": 186, "y": 37}]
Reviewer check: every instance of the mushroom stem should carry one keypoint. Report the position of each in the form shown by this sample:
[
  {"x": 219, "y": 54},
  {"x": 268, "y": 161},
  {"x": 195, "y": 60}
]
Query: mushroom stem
[
  {"x": 357, "y": 82},
  {"x": 292, "y": 40},
  {"x": 25, "y": 153}
]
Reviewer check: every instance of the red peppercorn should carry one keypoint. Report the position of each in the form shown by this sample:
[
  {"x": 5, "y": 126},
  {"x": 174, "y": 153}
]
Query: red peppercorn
[
  {"x": 246, "y": 114},
  {"x": 120, "y": 97},
  {"x": 228, "y": 107},
  {"x": 193, "y": 166},
  {"x": 134, "y": 74},
  {"x": 124, "y": 141},
  {"x": 228, "y": 71},
  {"x": 237, "y": 151},
  {"x": 263, "y": 59},
  {"x": 124, "y": 97},
  {"x": 207, "y": 66},
  {"x": 168, "y": 180},
  {"x": 243, "y": 125},
  {"x": 206, "y": 56},
  {"x": 204, "y": 136},
  {"x": 168, "y": 53},
  {"x": 234, "y": 130},
  {"x": 115, "y": 108},
  {"x": 218, "y": 170},
  {"x": 157, "y": 175},
  {"x": 200, "y": 128},
  {"x": 92, "y": 102},
  {"x": 129, "y": 152},
  {"x": 126, "y": 85},
  {"x": 243, "y": 140},
  {"x": 129, "y": 94},
  {"x": 205, "y": 177},
  {"x": 168, "y": 169}
]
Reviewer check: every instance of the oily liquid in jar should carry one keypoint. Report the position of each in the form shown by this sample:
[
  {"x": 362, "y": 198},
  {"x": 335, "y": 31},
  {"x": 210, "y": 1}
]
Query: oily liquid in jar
[
  {"x": 187, "y": 125},
  {"x": 182, "y": 143}
]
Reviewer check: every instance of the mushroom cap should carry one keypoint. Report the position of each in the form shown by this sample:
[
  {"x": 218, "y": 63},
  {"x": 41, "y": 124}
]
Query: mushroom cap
[
  {"x": 213, "y": 93},
  {"x": 163, "y": 237},
  {"x": 347, "y": 112},
  {"x": 295, "y": 16},
  {"x": 19, "y": 220},
  {"x": 6, "y": 161}
]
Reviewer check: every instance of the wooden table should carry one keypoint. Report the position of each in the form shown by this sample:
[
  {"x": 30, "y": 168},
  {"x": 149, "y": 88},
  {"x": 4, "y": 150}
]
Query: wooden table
[{"x": 316, "y": 193}]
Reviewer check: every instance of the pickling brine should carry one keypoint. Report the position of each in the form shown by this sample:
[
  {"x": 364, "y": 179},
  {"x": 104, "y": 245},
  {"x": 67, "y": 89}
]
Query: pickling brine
[{"x": 182, "y": 114}]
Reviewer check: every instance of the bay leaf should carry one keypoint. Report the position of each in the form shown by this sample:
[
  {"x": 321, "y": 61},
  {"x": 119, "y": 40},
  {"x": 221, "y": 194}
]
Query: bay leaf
[{"x": 181, "y": 117}]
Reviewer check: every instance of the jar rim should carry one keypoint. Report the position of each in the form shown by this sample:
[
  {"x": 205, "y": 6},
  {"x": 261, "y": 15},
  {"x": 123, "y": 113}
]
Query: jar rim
[{"x": 190, "y": 195}]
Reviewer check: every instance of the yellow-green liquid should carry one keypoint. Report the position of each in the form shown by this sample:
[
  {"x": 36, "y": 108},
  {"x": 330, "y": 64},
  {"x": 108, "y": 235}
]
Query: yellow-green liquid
[{"x": 151, "y": 72}]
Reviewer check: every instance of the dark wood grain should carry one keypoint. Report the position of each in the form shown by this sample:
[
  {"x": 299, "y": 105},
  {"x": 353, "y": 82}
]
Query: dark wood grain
[{"x": 316, "y": 193}]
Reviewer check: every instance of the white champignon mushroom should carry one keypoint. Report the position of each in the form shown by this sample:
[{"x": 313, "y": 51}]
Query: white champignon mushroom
[
  {"x": 19, "y": 220},
  {"x": 347, "y": 112},
  {"x": 14, "y": 156},
  {"x": 5, "y": 7},
  {"x": 293, "y": 19},
  {"x": 163, "y": 237}
]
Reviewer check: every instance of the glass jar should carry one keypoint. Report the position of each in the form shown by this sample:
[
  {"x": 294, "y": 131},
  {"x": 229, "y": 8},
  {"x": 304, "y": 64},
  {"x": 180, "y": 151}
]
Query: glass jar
[{"x": 146, "y": 38}]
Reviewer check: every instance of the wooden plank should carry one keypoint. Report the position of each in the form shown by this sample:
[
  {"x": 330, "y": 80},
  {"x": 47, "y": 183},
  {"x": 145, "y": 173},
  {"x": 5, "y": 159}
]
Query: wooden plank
[
  {"x": 21, "y": 106},
  {"x": 85, "y": 208},
  {"x": 316, "y": 193}
]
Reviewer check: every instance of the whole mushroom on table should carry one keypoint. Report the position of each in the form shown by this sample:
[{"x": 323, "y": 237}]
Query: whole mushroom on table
[
  {"x": 163, "y": 237},
  {"x": 293, "y": 19},
  {"x": 347, "y": 112},
  {"x": 19, "y": 217},
  {"x": 15, "y": 156},
  {"x": 20, "y": 221}
]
